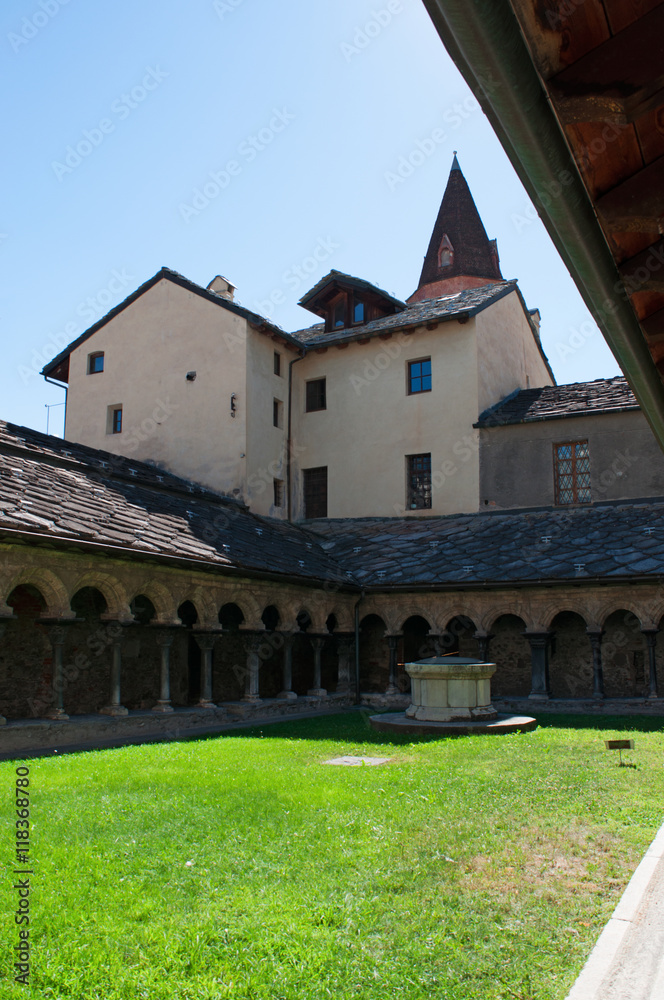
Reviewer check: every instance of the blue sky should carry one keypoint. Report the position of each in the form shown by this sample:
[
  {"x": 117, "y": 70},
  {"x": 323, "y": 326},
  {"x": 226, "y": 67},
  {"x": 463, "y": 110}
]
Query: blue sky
[{"x": 258, "y": 140}]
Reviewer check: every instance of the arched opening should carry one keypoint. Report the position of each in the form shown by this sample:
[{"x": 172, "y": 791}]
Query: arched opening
[
  {"x": 461, "y": 642},
  {"x": 230, "y": 670},
  {"x": 624, "y": 656},
  {"x": 88, "y": 654},
  {"x": 141, "y": 658},
  {"x": 26, "y": 658},
  {"x": 570, "y": 657},
  {"x": 303, "y": 656},
  {"x": 510, "y": 651},
  {"x": 374, "y": 655},
  {"x": 189, "y": 685},
  {"x": 271, "y": 618},
  {"x": 416, "y": 645}
]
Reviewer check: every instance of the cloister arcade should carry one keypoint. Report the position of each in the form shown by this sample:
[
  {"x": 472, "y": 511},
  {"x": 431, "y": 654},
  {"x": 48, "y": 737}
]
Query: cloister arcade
[{"x": 81, "y": 636}]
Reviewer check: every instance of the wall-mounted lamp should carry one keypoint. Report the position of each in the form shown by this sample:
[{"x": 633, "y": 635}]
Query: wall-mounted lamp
[
  {"x": 233, "y": 404},
  {"x": 191, "y": 376}
]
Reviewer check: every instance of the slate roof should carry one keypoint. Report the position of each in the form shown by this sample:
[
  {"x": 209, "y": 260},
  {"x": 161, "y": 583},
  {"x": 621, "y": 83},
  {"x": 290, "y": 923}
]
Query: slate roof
[
  {"x": 611, "y": 541},
  {"x": 604, "y": 395},
  {"x": 53, "y": 489},
  {"x": 348, "y": 279},
  {"x": 448, "y": 307}
]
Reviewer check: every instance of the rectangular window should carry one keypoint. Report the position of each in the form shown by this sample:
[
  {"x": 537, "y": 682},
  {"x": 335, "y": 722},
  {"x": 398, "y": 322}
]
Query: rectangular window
[
  {"x": 316, "y": 398},
  {"x": 418, "y": 470},
  {"x": 95, "y": 363},
  {"x": 571, "y": 472},
  {"x": 359, "y": 311},
  {"x": 277, "y": 413},
  {"x": 419, "y": 376},
  {"x": 277, "y": 363},
  {"x": 315, "y": 492},
  {"x": 114, "y": 420},
  {"x": 278, "y": 486}
]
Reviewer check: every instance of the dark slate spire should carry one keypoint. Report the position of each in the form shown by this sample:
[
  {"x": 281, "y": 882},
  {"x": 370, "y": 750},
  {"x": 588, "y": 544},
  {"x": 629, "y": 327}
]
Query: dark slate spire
[{"x": 460, "y": 253}]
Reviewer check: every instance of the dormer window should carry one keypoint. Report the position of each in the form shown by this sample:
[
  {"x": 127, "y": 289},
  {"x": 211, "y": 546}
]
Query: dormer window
[
  {"x": 446, "y": 252},
  {"x": 359, "y": 311}
]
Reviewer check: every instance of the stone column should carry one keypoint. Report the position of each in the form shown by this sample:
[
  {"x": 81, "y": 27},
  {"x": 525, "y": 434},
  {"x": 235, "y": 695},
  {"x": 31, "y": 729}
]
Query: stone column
[
  {"x": 287, "y": 692},
  {"x": 56, "y": 634},
  {"x": 205, "y": 642},
  {"x": 651, "y": 639},
  {"x": 595, "y": 636},
  {"x": 539, "y": 652},
  {"x": 164, "y": 638},
  {"x": 252, "y": 681},
  {"x": 317, "y": 691},
  {"x": 114, "y": 632},
  {"x": 483, "y": 642},
  {"x": 393, "y": 643},
  {"x": 3, "y": 721},
  {"x": 345, "y": 651}
]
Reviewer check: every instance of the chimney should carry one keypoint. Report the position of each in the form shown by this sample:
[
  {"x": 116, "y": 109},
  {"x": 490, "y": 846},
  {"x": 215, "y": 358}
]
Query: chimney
[
  {"x": 223, "y": 287},
  {"x": 536, "y": 317}
]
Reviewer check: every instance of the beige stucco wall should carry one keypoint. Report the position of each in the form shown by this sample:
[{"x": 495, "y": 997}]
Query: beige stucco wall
[
  {"x": 266, "y": 444},
  {"x": 183, "y": 426},
  {"x": 509, "y": 357},
  {"x": 371, "y": 423}
]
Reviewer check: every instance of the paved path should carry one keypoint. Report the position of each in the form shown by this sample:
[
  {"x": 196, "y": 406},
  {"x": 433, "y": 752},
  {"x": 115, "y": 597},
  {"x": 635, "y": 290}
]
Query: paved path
[{"x": 627, "y": 963}]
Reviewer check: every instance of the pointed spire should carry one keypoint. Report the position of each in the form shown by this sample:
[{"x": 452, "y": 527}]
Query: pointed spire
[{"x": 460, "y": 253}]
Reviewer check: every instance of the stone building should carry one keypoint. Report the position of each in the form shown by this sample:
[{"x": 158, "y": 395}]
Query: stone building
[{"x": 244, "y": 522}]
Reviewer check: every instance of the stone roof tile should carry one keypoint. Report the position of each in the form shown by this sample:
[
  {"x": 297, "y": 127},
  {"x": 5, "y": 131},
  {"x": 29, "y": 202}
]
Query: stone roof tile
[{"x": 579, "y": 399}]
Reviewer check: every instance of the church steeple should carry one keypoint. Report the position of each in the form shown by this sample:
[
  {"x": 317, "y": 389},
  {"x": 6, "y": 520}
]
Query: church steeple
[{"x": 460, "y": 253}]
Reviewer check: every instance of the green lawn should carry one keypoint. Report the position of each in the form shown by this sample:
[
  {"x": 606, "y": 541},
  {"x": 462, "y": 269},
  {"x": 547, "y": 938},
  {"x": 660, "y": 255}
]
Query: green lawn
[{"x": 240, "y": 867}]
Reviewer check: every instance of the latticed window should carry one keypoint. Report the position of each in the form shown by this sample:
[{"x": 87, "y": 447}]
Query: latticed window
[
  {"x": 571, "y": 470},
  {"x": 419, "y": 482}
]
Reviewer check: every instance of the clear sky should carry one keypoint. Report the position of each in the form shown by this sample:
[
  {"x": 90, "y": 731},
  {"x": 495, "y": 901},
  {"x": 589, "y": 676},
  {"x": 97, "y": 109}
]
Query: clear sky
[{"x": 249, "y": 138}]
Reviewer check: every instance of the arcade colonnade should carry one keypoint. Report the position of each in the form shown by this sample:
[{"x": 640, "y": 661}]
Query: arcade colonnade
[{"x": 81, "y": 635}]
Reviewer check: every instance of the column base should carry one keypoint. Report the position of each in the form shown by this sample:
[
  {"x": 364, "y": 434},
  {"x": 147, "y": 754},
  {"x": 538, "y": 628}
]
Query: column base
[
  {"x": 57, "y": 715},
  {"x": 114, "y": 710},
  {"x": 317, "y": 693},
  {"x": 392, "y": 689},
  {"x": 205, "y": 704},
  {"x": 287, "y": 696},
  {"x": 162, "y": 706},
  {"x": 538, "y": 697},
  {"x": 653, "y": 694},
  {"x": 252, "y": 699},
  {"x": 3, "y": 721}
]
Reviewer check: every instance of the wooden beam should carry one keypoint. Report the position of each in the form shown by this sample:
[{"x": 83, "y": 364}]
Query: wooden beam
[
  {"x": 653, "y": 326},
  {"x": 621, "y": 79},
  {"x": 645, "y": 271},
  {"x": 636, "y": 205}
]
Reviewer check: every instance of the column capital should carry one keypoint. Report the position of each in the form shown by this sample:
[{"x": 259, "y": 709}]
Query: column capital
[
  {"x": 164, "y": 636},
  {"x": 206, "y": 640}
]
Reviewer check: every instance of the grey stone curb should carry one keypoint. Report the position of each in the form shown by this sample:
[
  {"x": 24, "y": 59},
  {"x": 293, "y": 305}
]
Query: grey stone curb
[{"x": 606, "y": 964}]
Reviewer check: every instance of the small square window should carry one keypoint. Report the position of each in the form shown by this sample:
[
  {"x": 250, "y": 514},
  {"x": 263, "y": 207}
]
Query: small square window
[
  {"x": 114, "y": 419},
  {"x": 95, "y": 363},
  {"x": 277, "y": 363},
  {"x": 278, "y": 486},
  {"x": 277, "y": 413},
  {"x": 419, "y": 376},
  {"x": 418, "y": 485},
  {"x": 316, "y": 395}
]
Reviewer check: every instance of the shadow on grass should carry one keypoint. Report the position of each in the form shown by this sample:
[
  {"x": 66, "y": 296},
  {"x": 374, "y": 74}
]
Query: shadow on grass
[{"x": 354, "y": 726}]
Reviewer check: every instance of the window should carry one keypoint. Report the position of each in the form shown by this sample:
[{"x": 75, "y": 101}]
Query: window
[
  {"x": 339, "y": 313},
  {"x": 316, "y": 395},
  {"x": 277, "y": 363},
  {"x": 277, "y": 413},
  {"x": 114, "y": 419},
  {"x": 419, "y": 376},
  {"x": 95, "y": 363},
  {"x": 419, "y": 482},
  {"x": 359, "y": 311},
  {"x": 278, "y": 486},
  {"x": 571, "y": 472},
  {"x": 315, "y": 492},
  {"x": 445, "y": 252}
]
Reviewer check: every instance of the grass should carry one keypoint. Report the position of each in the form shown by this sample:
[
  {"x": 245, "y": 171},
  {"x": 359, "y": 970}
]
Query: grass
[{"x": 240, "y": 867}]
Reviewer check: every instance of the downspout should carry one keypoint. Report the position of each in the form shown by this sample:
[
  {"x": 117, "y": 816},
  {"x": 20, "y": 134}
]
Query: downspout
[
  {"x": 289, "y": 443},
  {"x": 484, "y": 39}
]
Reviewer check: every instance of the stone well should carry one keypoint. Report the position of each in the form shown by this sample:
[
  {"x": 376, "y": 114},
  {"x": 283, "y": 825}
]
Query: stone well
[{"x": 445, "y": 688}]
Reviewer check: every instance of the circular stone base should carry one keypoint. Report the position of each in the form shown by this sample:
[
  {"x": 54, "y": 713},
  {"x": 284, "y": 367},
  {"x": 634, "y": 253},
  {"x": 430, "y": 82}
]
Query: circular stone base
[{"x": 396, "y": 722}]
